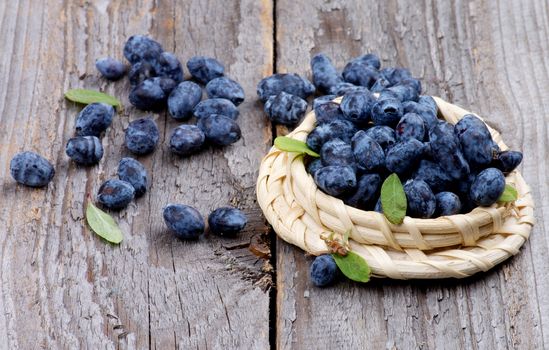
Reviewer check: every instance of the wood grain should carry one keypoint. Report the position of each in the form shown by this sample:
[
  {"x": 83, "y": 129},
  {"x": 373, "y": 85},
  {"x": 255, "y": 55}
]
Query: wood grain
[
  {"x": 62, "y": 287},
  {"x": 489, "y": 56}
]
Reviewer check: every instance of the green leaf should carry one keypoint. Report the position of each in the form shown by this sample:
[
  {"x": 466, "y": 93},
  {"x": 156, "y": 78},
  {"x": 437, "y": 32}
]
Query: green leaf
[
  {"x": 508, "y": 195},
  {"x": 393, "y": 199},
  {"x": 90, "y": 96},
  {"x": 103, "y": 224},
  {"x": 288, "y": 144},
  {"x": 353, "y": 266}
]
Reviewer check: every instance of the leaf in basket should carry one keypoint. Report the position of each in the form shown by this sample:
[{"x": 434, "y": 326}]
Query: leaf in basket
[
  {"x": 85, "y": 96},
  {"x": 509, "y": 194},
  {"x": 393, "y": 199},
  {"x": 103, "y": 224},
  {"x": 353, "y": 266},
  {"x": 288, "y": 144}
]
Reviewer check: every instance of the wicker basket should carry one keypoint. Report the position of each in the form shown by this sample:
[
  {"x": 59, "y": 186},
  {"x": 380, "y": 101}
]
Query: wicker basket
[{"x": 451, "y": 246}]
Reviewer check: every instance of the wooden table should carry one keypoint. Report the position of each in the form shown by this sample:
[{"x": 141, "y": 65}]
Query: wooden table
[{"x": 61, "y": 287}]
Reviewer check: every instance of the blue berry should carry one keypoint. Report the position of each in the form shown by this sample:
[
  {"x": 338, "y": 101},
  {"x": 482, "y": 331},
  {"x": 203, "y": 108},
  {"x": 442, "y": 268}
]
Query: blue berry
[
  {"x": 142, "y": 136},
  {"x": 356, "y": 107},
  {"x": 413, "y": 83},
  {"x": 380, "y": 85},
  {"x": 325, "y": 75},
  {"x": 219, "y": 129},
  {"x": 323, "y": 270},
  {"x": 184, "y": 221},
  {"x": 448, "y": 203},
  {"x": 424, "y": 111},
  {"x": 183, "y": 99},
  {"x": 225, "y": 88},
  {"x": 367, "y": 192},
  {"x": 337, "y": 152},
  {"x": 475, "y": 140},
  {"x": 410, "y": 126},
  {"x": 395, "y": 75},
  {"x": 445, "y": 150},
  {"x": 314, "y": 165},
  {"x": 166, "y": 84},
  {"x": 227, "y": 221},
  {"x": 31, "y": 169},
  {"x": 322, "y": 100},
  {"x": 186, "y": 140},
  {"x": 335, "y": 180},
  {"x": 387, "y": 111},
  {"x": 345, "y": 88},
  {"x": 204, "y": 69},
  {"x": 290, "y": 83},
  {"x": 327, "y": 112},
  {"x": 428, "y": 102},
  {"x": 404, "y": 92},
  {"x": 216, "y": 106},
  {"x": 433, "y": 175},
  {"x": 141, "y": 48},
  {"x": 110, "y": 68},
  {"x": 507, "y": 161},
  {"x": 421, "y": 200},
  {"x": 140, "y": 72},
  {"x": 342, "y": 129},
  {"x": 149, "y": 95},
  {"x": 383, "y": 135},
  {"x": 167, "y": 65},
  {"x": 367, "y": 152},
  {"x": 85, "y": 150},
  {"x": 134, "y": 173},
  {"x": 115, "y": 194},
  {"x": 94, "y": 119},
  {"x": 487, "y": 187},
  {"x": 285, "y": 109},
  {"x": 378, "y": 206},
  {"x": 403, "y": 156},
  {"x": 370, "y": 59},
  {"x": 360, "y": 73}
]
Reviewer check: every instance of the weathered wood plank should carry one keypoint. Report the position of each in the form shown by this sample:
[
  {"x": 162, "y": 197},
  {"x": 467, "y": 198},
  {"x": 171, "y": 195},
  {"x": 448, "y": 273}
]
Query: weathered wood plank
[
  {"x": 61, "y": 286},
  {"x": 490, "y": 56}
]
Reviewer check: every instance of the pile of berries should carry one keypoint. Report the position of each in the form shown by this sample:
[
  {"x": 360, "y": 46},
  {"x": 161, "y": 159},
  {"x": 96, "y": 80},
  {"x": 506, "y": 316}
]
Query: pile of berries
[
  {"x": 157, "y": 82},
  {"x": 384, "y": 125}
]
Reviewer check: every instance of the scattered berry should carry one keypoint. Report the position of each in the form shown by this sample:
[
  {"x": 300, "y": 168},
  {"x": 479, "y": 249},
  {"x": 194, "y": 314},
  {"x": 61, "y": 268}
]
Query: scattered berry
[
  {"x": 115, "y": 194},
  {"x": 325, "y": 75},
  {"x": 186, "y": 140},
  {"x": 204, "y": 69},
  {"x": 290, "y": 83},
  {"x": 84, "y": 150},
  {"x": 31, "y": 169},
  {"x": 167, "y": 65},
  {"x": 227, "y": 221},
  {"x": 141, "y": 48},
  {"x": 183, "y": 99},
  {"x": 216, "y": 106},
  {"x": 140, "y": 72},
  {"x": 285, "y": 109},
  {"x": 94, "y": 119},
  {"x": 110, "y": 68},
  {"x": 183, "y": 220},
  {"x": 225, "y": 88},
  {"x": 149, "y": 95},
  {"x": 360, "y": 73},
  {"x": 134, "y": 173},
  {"x": 219, "y": 129},
  {"x": 142, "y": 136},
  {"x": 323, "y": 270}
]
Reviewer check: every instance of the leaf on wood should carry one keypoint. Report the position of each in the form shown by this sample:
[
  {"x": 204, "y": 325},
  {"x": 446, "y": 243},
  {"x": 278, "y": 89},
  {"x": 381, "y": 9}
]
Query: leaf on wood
[
  {"x": 103, "y": 224},
  {"x": 509, "y": 194},
  {"x": 393, "y": 199},
  {"x": 353, "y": 266},
  {"x": 288, "y": 144},
  {"x": 85, "y": 96}
]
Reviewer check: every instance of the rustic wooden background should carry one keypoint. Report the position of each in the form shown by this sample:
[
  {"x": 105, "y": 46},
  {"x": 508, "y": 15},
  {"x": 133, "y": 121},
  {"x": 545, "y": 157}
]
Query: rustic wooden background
[{"x": 61, "y": 287}]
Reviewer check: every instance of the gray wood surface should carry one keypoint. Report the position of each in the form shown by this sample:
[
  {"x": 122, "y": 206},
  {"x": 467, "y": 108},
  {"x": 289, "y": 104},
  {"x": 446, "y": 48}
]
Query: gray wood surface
[
  {"x": 489, "y": 56},
  {"x": 61, "y": 287}
]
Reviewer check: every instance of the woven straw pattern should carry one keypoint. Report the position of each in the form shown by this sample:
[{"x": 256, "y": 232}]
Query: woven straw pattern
[{"x": 452, "y": 246}]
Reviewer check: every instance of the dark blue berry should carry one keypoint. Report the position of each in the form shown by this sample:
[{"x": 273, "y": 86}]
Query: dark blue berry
[
  {"x": 184, "y": 221},
  {"x": 115, "y": 194},
  {"x": 378, "y": 206},
  {"x": 142, "y": 136},
  {"x": 380, "y": 85},
  {"x": 290, "y": 83},
  {"x": 475, "y": 140},
  {"x": 342, "y": 129},
  {"x": 314, "y": 165},
  {"x": 424, "y": 111},
  {"x": 285, "y": 109},
  {"x": 204, "y": 69},
  {"x": 433, "y": 175},
  {"x": 421, "y": 200},
  {"x": 323, "y": 271},
  {"x": 345, "y": 88},
  {"x": 325, "y": 75},
  {"x": 216, "y": 106},
  {"x": 219, "y": 129},
  {"x": 134, "y": 173},
  {"x": 403, "y": 156},
  {"x": 507, "y": 161},
  {"x": 167, "y": 65},
  {"x": 410, "y": 126},
  {"x": 327, "y": 112},
  {"x": 225, "y": 88},
  {"x": 85, "y": 150},
  {"x": 166, "y": 84},
  {"x": 404, "y": 92},
  {"x": 367, "y": 152},
  {"x": 183, "y": 99},
  {"x": 487, "y": 187},
  {"x": 149, "y": 95},
  {"x": 186, "y": 140},
  {"x": 370, "y": 59},
  {"x": 110, "y": 68},
  {"x": 395, "y": 75},
  {"x": 448, "y": 203},
  {"x": 387, "y": 112},
  {"x": 141, "y": 48},
  {"x": 383, "y": 135},
  {"x": 356, "y": 107},
  {"x": 428, "y": 102},
  {"x": 140, "y": 72},
  {"x": 94, "y": 119},
  {"x": 413, "y": 83},
  {"x": 337, "y": 152},
  {"x": 367, "y": 192},
  {"x": 445, "y": 150},
  {"x": 335, "y": 180},
  {"x": 322, "y": 100},
  {"x": 360, "y": 73},
  {"x": 31, "y": 169},
  {"x": 227, "y": 221}
]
